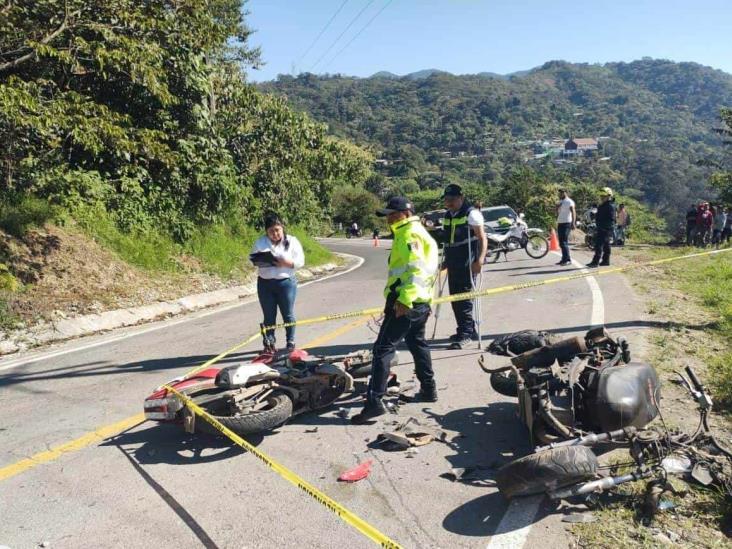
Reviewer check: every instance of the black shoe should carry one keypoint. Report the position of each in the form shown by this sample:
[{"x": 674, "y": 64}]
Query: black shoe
[
  {"x": 426, "y": 395},
  {"x": 454, "y": 337},
  {"x": 369, "y": 412},
  {"x": 290, "y": 345},
  {"x": 592, "y": 265},
  {"x": 461, "y": 344},
  {"x": 604, "y": 264}
]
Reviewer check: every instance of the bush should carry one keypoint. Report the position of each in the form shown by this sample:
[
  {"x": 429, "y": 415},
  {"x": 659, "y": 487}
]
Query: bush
[{"x": 18, "y": 214}]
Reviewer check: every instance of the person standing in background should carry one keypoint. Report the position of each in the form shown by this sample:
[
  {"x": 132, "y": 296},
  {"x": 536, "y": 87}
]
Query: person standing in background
[
  {"x": 623, "y": 220},
  {"x": 605, "y": 220},
  {"x": 566, "y": 221},
  {"x": 691, "y": 224},
  {"x": 720, "y": 221},
  {"x": 276, "y": 284}
]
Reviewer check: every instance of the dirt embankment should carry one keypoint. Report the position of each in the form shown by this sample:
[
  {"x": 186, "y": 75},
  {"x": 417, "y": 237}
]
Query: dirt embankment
[{"x": 61, "y": 273}]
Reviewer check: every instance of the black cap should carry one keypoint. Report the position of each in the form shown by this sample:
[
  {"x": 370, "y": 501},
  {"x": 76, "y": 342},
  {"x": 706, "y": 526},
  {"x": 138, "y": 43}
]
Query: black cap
[
  {"x": 396, "y": 204},
  {"x": 453, "y": 189}
]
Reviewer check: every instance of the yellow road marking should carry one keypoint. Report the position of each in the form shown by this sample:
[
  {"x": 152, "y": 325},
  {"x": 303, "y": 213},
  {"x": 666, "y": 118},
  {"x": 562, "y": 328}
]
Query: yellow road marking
[
  {"x": 68, "y": 447},
  {"x": 110, "y": 430}
]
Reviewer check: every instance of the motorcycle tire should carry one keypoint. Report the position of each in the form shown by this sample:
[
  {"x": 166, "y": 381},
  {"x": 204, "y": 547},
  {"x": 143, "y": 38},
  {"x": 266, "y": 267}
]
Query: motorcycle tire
[
  {"x": 537, "y": 246},
  {"x": 546, "y": 471},
  {"x": 504, "y": 383},
  {"x": 279, "y": 410}
]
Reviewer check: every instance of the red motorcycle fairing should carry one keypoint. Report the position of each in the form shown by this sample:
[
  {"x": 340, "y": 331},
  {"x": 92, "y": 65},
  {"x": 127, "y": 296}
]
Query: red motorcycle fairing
[{"x": 161, "y": 405}]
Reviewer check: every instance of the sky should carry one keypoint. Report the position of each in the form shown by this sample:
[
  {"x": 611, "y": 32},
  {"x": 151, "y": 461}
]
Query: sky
[{"x": 471, "y": 36}]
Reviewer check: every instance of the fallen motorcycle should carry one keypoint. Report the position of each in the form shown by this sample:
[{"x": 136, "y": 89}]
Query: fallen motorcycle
[
  {"x": 518, "y": 236},
  {"x": 261, "y": 394},
  {"x": 570, "y": 468},
  {"x": 578, "y": 385}
]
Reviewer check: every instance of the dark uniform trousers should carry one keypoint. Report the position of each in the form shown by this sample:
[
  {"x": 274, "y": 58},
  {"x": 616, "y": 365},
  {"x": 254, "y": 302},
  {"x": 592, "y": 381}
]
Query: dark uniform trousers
[
  {"x": 460, "y": 280},
  {"x": 411, "y": 328},
  {"x": 602, "y": 246}
]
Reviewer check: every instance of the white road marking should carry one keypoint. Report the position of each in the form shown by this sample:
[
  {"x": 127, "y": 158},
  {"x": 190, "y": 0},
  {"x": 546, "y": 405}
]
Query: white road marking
[
  {"x": 514, "y": 528},
  {"x": 516, "y": 523},
  {"x": 14, "y": 363}
]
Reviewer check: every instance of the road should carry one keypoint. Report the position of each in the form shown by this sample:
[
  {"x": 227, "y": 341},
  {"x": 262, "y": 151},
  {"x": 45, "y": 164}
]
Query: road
[{"x": 155, "y": 486}]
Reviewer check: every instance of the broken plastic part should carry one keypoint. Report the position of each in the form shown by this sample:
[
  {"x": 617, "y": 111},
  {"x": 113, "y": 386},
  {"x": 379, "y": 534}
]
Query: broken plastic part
[{"x": 359, "y": 472}]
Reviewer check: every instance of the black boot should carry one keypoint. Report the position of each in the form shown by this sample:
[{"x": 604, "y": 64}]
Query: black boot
[
  {"x": 372, "y": 410},
  {"x": 427, "y": 393}
]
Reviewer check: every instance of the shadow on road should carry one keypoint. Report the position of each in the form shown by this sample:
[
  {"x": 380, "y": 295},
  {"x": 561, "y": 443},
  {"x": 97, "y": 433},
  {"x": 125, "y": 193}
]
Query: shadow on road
[
  {"x": 93, "y": 369},
  {"x": 171, "y": 445}
]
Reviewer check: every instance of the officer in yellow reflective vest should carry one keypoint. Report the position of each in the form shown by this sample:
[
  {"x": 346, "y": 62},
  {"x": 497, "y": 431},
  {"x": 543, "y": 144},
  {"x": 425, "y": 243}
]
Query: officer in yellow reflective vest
[{"x": 413, "y": 264}]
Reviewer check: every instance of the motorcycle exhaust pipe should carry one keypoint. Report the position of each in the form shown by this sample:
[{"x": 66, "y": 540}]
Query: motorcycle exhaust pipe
[
  {"x": 596, "y": 485},
  {"x": 544, "y": 357}
]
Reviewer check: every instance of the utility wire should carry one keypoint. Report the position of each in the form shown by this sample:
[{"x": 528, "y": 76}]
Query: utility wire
[
  {"x": 322, "y": 31},
  {"x": 327, "y": 51},
  {"x": 359, "y": 33}
]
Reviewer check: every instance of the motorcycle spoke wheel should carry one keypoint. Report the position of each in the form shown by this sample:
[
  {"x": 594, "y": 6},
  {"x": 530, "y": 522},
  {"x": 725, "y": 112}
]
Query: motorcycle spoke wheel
[
  {"x": 492, "y": 256},
  {"x": 272, "y": 412},
  {"x": 537, "y": 246}
]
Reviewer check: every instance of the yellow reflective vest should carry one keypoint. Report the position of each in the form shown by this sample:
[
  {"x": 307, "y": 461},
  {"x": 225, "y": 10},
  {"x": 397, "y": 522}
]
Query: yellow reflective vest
[{"x": 413, "y": 263}]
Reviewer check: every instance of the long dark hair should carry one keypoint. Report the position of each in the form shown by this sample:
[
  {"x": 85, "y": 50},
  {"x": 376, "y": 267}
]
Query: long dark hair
[{"x": 271, "y": 219}]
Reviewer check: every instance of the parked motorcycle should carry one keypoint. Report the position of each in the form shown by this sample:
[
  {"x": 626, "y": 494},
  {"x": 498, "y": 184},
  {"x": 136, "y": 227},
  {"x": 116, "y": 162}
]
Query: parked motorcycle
[
  {"x": 351, "y": 233},
  {"x": 261, "y": 394},
  {"x": 518, "y": 236}
]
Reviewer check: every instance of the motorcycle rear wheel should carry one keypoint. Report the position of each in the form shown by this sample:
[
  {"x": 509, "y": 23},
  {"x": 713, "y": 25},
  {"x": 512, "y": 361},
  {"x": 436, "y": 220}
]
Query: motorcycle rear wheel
[
  {"x": 277, "y": 410},
  {"x": 492, "y": 256},
  {"x": 537, "y": 246},
  {"x": 546, "y": 471}
]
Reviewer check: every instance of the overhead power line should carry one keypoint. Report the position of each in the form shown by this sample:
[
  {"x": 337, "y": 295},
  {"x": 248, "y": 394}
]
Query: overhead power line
[
  {"x": 327, "y": 51},
  {"x": 352, "y": 40},
  {"x": 322, "y": 31}
]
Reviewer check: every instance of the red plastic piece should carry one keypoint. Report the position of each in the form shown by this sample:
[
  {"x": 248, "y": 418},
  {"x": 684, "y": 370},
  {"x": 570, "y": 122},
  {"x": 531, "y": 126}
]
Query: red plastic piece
[{"x": 359, "y": 472}]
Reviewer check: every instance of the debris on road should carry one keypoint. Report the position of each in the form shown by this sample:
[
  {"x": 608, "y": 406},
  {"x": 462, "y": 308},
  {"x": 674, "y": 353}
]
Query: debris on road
[
  {"x": 359, "y": 472},
  {"x": 313, "y": 430}
]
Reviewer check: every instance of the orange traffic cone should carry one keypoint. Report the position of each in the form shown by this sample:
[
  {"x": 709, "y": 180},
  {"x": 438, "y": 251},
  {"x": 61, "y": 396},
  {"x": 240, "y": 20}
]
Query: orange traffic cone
[{"x": 553, "y": 241}]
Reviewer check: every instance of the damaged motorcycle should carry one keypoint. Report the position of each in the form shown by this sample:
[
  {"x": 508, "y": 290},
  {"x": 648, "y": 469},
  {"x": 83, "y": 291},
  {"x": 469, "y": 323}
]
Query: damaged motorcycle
[
  {"x": 261, "y": 394},
  {"x": 584, "y": 393}
]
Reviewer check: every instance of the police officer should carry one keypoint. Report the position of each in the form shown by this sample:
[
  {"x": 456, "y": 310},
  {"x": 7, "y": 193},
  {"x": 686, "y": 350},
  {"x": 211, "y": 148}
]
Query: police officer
[
  {"x": 605, "y": 220},
  {"x": 413, "y": 264},
  {"x": 465, "y": 246}
]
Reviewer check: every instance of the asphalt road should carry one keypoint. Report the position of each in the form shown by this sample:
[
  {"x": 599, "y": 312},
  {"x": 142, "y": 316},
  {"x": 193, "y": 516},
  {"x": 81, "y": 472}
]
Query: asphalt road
[{"x": 155, "y": 486}]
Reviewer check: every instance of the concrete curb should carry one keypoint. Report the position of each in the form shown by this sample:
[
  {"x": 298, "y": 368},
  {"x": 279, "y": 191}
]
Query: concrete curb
[{"x": 70, "y": 328}]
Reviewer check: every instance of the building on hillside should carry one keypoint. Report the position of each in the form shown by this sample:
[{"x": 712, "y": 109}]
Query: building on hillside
[{"x": 580, "y": 145}]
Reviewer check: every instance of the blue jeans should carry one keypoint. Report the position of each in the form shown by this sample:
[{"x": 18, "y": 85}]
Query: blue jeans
[
  {"x": 278, "y": 293},
  {"x": 563, "y": 231}
]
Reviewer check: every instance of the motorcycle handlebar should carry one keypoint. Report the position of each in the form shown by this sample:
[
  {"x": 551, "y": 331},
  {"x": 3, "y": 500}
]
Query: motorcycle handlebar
[{"x": 694, "y": 380}]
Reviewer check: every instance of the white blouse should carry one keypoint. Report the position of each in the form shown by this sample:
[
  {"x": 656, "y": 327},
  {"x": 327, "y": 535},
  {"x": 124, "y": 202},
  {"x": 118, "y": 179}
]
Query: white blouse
[{"x": 293, "y": 253}]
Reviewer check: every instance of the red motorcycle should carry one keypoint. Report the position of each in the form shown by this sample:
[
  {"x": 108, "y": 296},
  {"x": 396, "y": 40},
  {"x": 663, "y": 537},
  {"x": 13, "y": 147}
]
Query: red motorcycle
[{"x": 261, "y": 394}]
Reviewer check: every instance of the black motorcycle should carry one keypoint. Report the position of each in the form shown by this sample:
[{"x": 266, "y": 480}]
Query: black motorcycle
[{"x": 582, "y": 393}]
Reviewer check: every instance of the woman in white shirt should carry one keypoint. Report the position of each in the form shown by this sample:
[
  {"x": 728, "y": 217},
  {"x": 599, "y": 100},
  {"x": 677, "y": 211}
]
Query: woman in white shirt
[{"x": 276, "y": 284}]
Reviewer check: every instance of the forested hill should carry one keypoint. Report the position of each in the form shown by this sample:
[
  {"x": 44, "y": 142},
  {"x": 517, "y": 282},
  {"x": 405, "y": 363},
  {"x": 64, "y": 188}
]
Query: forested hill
[{"x": 654, "y": 120}]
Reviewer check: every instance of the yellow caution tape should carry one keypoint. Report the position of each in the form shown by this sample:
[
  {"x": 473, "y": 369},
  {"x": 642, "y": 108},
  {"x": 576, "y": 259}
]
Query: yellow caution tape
[
  {"x": 503, "y": 289},
  {"x": 326, "y": 501}
]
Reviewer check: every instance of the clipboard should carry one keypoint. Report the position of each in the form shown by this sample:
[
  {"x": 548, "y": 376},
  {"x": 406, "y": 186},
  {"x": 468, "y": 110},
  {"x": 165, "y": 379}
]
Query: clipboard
[{"x": 263, "y": 259}]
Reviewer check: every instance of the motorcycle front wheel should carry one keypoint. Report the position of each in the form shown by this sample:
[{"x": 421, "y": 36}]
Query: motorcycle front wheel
[
  {"x": 547, "y": 470},
  {"x": 537, "y": 246},
  {"x": 272, "y": 412}
]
